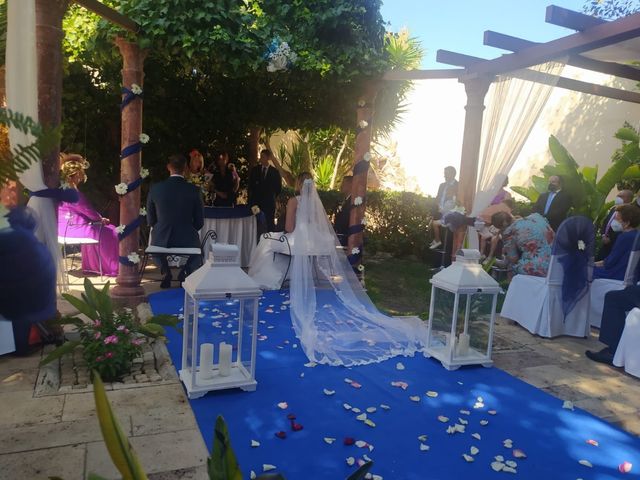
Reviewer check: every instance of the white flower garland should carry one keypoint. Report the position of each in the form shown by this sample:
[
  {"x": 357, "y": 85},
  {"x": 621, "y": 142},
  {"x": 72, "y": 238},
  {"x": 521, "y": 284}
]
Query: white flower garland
[
  {"x": 363, "y": 124},
  {"x": 357, "y": 201},
  {"x": 144, "y": 138},
  {"x": 255, "y": 209},
  {"x": 143, "y": 212},
  {"x": 134, "y": 257},
  {"x": 367, "y": 157},
  {"x": 581, "y": 245},
  {"x": 136, "y": 89},
  {"x": 355, "y": 251},
  {"x": 121, "y": 188},
  {"x": 120, "y": 229},
  {"x": 144, "y": 172}
]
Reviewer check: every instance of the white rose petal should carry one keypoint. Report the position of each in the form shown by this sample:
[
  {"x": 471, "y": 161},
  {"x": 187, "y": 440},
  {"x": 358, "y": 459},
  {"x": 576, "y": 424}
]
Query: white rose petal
[
  {"x": 267, "y": 467},
  {"x": 121, "y": 188}
]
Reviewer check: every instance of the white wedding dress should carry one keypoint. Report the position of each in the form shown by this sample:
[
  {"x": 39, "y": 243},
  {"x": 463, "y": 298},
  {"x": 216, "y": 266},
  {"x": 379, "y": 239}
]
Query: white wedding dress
[{"x": 334, "y": 319}]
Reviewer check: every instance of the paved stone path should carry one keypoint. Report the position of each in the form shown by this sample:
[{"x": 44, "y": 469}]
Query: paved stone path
[{"x": 59, "y": 434}]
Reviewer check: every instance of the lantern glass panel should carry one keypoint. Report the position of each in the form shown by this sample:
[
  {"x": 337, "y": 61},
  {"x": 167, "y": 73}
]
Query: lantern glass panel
[
  {"x": 443, "y": 302},
  {"x": 247, "y": 309},
  {"x": 476, "y": 310},
  {"x": 188, "y": 361}
]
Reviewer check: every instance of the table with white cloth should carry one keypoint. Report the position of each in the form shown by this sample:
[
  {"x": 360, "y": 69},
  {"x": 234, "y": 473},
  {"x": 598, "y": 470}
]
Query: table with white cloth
[{"x": 233, "y": 225}]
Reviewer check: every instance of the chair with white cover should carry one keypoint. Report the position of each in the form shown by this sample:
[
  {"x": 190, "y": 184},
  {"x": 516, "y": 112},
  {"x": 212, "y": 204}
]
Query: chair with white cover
[
  {"x": 628, "y": 354},
  {"x": 69, "y": 237},
  {"x": 557, "y": 304},
  {"x": 600, "y": 286}
]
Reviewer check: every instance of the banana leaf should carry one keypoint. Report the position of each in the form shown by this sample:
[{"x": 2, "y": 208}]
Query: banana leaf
[
  {"x": 627, "y": 134},
  {"x": 63, "y": 349},
  {"x": 631, "y": 173},
  {"x": 82, "y": 306},
  {"x": 120, "y": 450},
  {"x": 222, "y": 464},
  {"x": 361, "y": 473}
]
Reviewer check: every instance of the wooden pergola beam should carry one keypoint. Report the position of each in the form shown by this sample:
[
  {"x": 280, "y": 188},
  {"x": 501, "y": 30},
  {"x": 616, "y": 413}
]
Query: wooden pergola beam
[
  {"x": 515, "y": 44},
  {"x": 570, "y": 19},
  {"x": 110, "y": 14},
  {"x": 423, "y": 74},
  {"x": 597, "y": 36},
  {"x": 461, "y": 60}
]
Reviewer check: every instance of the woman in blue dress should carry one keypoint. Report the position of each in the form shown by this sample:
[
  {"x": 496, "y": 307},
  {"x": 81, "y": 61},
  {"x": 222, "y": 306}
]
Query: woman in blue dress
[{"x": 614, "y": 266}]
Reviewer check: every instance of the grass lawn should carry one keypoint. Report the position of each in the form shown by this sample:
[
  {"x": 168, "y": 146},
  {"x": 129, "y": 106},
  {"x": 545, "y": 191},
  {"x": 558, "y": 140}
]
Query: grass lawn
[{"x": 398, "y": 286}]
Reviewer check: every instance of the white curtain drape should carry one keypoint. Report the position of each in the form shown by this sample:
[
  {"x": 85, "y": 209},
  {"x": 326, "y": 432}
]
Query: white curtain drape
[
  {"x": 22, "y": 96},
  {"x": 514, "y": 103}
]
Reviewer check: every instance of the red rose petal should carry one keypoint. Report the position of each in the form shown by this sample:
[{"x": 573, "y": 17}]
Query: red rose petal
[
  {"x": 291, "y": 416},
  {"x": 349, "y": 441},
  {"x": 296, "y": 427},
  {"x": 281, "y": 434}
]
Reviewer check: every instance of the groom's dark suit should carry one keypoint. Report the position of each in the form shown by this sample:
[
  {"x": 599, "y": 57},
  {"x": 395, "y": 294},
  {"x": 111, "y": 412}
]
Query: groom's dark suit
[
  {"x": 264, "y": 187},
  {"x": 557, "y": 211},
  {"x": 176, "y": 212}
]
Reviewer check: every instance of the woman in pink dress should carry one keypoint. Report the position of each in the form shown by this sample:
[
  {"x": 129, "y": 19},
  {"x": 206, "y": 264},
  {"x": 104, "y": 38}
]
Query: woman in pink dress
[{"x": 81, "y": 221}]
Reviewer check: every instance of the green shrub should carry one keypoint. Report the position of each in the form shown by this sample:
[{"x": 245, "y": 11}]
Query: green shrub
[{"x": 396, "y": 222}]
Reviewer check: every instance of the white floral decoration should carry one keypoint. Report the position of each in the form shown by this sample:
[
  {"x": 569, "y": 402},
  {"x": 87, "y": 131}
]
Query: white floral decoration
[
  {"x": 355, "y": 251},
  {"x": 134, "y": 257},
  {"x": 367, "y": 157},
  {"x": 144, "y": 172},
  {"x": 120, "y": 229},
  {"x": 144, "y": 138},
  {"x": 122, "y": 188},
  {"x": 280, "y": 57},
  {"x": 143, "y": 212},
  {"x": 136, "y": 89},
  {"x": 64, "y": 185},
  {"x": 357, "y": 201},
  {"x": 363, "y": 221},
  {"x": 361, "y": 103},
  {"x": 255, "y": 209},
  {"x": 361, "y": 268},
  {"x": 363, "y": 124},
  {"x": 581, "y": 245}
]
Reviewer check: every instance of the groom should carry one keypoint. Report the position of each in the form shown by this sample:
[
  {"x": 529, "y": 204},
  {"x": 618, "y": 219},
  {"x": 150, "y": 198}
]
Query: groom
[{"x": 175, "y": 211}]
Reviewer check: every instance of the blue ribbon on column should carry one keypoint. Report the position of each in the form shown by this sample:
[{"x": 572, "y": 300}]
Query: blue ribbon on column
[
  {"x": 361, "y": 167},
  {"x": 129, "y": 229},
  {"x": 130, "y": 150},
  {"x": 125, "y": 261},
  {"x": 129, "y": 97},
  {"x": 353, "y": 229}
]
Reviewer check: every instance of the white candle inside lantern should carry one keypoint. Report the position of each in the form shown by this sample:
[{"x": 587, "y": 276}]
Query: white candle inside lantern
[
  {"x": 463, "y": 344},
  {"x": 206, "y": 361},
  {"x": 224, "y": 368}
]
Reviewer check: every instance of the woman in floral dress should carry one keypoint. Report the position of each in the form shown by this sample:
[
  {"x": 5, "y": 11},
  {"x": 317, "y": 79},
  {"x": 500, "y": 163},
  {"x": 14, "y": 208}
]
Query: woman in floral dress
[
  {"x": 196, "y": 174},
  {"x": 527, "y": 243}
]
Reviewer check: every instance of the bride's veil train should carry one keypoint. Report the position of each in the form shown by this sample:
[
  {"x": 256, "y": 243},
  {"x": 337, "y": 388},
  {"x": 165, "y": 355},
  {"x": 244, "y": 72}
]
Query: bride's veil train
[{"x": 333, "y": 317}]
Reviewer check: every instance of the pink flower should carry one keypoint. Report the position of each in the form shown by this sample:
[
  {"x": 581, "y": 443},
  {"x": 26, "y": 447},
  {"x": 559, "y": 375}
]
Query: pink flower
[
  {"x": 108, "y": 355},
  {"x": 96, "y": 323},
  {"x": 111, "y": 339},
  {"x": 121, "y": 328},
  {"x": 137, "y": 341},
  {"x": 99, "y": 358},
  {"x": 97, "y": 335}
]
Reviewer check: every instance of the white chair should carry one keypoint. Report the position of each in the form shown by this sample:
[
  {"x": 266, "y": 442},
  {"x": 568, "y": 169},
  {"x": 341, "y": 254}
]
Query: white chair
[
  {"x": 628, "y": 354},
  {"x": 64, "y": 240},
  {"x": 600, "y": 286},
  {"x": 536, "y": 302}
]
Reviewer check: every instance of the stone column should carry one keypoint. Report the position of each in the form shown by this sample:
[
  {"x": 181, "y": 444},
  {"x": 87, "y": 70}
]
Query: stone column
[
  {"x": 364, "y": 118},
  {"x": 49, "y": 36},
  {"x": 254, "y": 140},
  {"x": 128, "y": 290},
  {"x": 476, "y": 90}
]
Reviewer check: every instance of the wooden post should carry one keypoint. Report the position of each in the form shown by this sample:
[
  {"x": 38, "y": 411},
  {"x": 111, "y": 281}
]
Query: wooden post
[
  {"x": 49, "y": 36},
  {"x": 128, "y": 290},
  {"x": 364, "y": 117},
  {"x": 476, "y": 90},
  {"x": 254, "y": 141}
]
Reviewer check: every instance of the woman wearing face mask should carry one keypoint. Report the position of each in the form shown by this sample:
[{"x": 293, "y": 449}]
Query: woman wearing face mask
[
  {"x": 610, "y": 227},
  {"x": 626, "y": 221}
]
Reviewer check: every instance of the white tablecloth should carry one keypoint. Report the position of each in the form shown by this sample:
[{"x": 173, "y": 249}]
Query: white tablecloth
[
  {"x": 235, "y": 231},
  {"x": 7, "y": 344}
]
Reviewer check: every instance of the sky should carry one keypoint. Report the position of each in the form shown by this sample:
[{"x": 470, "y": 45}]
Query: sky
[{"x": 459, "y": 25}]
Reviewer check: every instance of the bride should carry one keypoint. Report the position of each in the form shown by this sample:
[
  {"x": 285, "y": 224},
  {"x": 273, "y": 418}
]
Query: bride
[{"x": 334, "y": 319}]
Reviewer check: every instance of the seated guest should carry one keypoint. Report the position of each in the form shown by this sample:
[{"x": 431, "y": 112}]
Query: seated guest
[
  {"x": 446, "y": 201},
  {"x": 617, "y": 303},
  {"x": 81, "y": 220},
  {"x": 341, "y": 222},
  {"x": 197, "y": 175},
  {"x": 175, "y": 212},
  {"x": 226, "y": 182},
  {"x": 554, "y": 204},
  {"x": 610, "y": 227},
  {"x": 489, "y": 234},
  {"x": 527, "y": 243},
  {"x": 615, "y": 265}
]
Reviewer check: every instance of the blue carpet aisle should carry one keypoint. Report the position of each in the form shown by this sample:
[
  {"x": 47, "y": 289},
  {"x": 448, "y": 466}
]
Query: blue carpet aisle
[{"x": 409, "y": 440}]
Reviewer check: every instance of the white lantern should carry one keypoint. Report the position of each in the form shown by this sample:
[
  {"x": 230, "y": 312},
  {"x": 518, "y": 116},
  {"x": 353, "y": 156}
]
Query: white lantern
[
  {"x": 220, "y": 280},
  {"x": 462, "y": 313}
]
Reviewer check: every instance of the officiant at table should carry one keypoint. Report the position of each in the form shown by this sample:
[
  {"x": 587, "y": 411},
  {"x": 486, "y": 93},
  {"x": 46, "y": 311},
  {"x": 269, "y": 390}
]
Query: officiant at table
[{"x": 265, "y": 184}]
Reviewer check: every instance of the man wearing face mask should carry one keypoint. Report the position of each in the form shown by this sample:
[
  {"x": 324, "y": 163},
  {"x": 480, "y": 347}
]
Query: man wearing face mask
[
  {"x": 554, "y": 204},
  {"x": 611, "y": 227}
]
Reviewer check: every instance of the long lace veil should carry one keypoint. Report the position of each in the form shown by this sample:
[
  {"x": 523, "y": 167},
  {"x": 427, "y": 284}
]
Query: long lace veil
[{"x": 333, "y": 317}]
